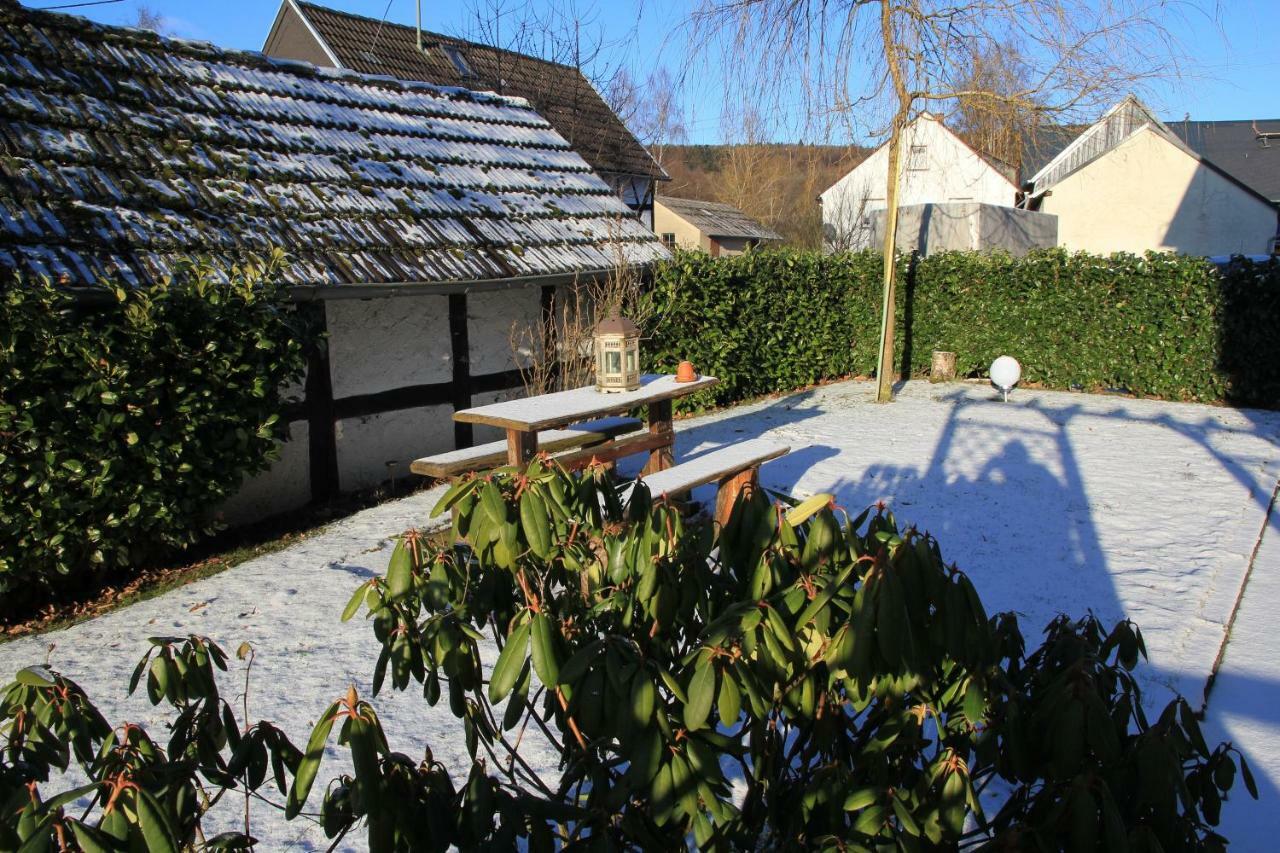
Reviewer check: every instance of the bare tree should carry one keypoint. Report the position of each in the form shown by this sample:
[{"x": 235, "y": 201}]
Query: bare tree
[
  {"x": 653, "y": 111},
  {"x": 750, "y": 176},
  {"x": 999, "y": 126},
  {"x": 568, "y": 33},
  {"x": 877, "y": 64},
  {"x": 150, "y": 19}
]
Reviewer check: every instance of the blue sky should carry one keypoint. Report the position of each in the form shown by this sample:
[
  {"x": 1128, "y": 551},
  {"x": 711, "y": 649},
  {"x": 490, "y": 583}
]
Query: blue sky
[{"x": 1236, "y": 78}]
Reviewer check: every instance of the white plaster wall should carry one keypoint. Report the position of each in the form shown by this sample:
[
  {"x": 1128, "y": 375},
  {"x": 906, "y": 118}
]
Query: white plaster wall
[
  {"x": 1149, "y": 194},
  {"x": 946, "y": 170},
  {"x": 383, "y": 344},
  {"x": 284, "y": 486},
  {"x": 490, "y": 316},
  {"x": 379, "y": 345},
  {"x": 365, "y": 445}
]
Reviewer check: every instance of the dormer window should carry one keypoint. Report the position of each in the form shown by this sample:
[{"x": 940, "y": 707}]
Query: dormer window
[{"x": 459, "y": 62}]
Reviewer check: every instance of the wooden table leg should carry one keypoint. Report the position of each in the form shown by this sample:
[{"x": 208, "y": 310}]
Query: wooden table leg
[
  {"x": 743, "y": 483},
  {"x": 663, "y": 456},
  {"x": 521, "y": 446}
]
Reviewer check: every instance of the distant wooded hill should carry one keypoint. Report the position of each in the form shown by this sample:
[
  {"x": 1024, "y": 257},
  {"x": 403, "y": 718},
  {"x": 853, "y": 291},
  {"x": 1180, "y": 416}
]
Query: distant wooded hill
[{"x": 777, "y": 184}]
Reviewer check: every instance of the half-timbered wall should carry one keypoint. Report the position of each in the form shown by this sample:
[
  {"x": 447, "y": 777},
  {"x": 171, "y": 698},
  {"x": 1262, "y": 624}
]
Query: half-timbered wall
[{"x": 397, "y": 369}]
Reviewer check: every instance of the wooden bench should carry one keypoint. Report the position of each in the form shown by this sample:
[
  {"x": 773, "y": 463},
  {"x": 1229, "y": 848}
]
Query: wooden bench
[
  {"x": 735, "y": 469},
  {"x": 494, "y": 453}
]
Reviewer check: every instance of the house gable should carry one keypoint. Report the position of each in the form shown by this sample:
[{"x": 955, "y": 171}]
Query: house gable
[
  {"x": 937, "y": 167},
  {"x": 292, "y": 37},
  {"x": 1148, "y": 192}
]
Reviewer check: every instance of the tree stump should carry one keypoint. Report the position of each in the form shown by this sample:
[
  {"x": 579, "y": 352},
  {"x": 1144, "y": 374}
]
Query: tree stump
[{"x": 944, "y": 367}]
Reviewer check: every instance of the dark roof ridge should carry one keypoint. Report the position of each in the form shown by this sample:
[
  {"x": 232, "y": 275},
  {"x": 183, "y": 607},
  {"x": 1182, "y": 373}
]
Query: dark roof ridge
[
  {"x": 433, "y": 34},
  {"x": 208, "y": 51}
]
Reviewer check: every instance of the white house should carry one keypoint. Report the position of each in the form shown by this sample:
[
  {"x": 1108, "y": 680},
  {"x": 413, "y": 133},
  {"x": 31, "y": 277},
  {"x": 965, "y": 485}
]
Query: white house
[
  {"x": 937, "y": 167},
  {"x": 1129, "y": 184}
]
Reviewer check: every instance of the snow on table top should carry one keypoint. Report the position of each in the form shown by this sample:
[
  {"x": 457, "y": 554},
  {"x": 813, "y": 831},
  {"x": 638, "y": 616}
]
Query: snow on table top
[
  {"x": 563, "y": 407},
  {"x": 1051, "y": 502}
]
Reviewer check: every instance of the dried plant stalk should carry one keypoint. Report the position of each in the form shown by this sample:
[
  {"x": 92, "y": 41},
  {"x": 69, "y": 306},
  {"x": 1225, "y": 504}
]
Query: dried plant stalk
[{"x": 555, "y": 354}]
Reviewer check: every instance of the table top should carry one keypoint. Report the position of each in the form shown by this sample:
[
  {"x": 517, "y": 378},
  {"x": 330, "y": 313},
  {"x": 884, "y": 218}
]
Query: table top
[{"x": 580, "y": 404}]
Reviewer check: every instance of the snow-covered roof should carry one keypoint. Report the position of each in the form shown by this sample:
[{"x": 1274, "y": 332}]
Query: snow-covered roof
[
  {"x": 121, "y": 151},
  {"x": 558, "y": 92}
]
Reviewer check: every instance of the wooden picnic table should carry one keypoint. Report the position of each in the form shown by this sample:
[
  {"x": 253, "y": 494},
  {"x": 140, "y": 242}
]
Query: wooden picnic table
[{"x": 523, "y": 417}]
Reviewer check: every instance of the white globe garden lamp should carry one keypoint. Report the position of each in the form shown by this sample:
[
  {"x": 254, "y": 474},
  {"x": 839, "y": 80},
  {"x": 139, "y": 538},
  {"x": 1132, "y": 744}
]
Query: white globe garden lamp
[{"x": 1005, "y": 373}]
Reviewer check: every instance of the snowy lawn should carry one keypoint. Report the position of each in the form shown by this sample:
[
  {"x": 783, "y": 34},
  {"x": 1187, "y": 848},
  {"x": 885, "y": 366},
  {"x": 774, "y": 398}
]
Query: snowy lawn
[{"x": 1053, "y": 502}]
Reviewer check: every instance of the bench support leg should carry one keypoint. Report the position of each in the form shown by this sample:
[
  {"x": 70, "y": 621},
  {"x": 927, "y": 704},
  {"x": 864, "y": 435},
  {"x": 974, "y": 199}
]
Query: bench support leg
[
  {"x": 742, "y": 483},
  {"x": 663, "y": 456},
  {"x": 521, "y": 446}
]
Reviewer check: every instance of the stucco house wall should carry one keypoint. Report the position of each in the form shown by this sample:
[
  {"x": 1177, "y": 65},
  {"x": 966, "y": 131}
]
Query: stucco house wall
[
  {"x": 937, "y": 167},
  {"x": 687, "y": 236},
  {"x": 727, "y": 246},
  {"x": 1149, "y": 194}
]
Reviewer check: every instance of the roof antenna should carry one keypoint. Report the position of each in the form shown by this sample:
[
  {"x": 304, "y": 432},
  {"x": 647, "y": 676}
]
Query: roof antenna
[
  {"x": 419, "y": 27},
  {"x": 1264, "y": 136}
]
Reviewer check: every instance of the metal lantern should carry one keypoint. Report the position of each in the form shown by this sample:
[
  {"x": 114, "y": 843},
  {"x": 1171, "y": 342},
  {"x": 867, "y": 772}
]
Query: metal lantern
[{"x": 617, "y": 342}]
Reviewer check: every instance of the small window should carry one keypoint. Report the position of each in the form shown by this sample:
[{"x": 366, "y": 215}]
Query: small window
[
  {"x": 459, "y": 62},
  {"x": 918, "y": 158},
  {"x": 669, "y": 240}
]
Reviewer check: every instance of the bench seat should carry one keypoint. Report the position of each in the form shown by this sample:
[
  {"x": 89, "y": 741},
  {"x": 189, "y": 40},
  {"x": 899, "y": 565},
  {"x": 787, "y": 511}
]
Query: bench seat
[
  {"x": 494, "y": 453},
  {"x": 734, "y": 468}
]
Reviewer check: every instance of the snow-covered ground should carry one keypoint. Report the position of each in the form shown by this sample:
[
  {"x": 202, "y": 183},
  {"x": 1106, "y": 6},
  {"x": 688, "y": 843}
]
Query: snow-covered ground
[
  {"x": 1053, "y": 502},
  {"x": 1244, "y": 705}
]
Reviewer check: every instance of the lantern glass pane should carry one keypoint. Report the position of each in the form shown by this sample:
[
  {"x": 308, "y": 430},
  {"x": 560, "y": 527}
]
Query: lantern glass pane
[
  {"x": 613, "y": 362},
  {"x": 631, "y": 360}
]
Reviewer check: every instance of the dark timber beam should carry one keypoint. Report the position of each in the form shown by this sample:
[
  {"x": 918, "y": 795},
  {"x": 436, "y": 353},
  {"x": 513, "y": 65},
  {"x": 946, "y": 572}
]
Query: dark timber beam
[
  {"x": 322, "y": 437},
  {"x": 460, "y": 343}
]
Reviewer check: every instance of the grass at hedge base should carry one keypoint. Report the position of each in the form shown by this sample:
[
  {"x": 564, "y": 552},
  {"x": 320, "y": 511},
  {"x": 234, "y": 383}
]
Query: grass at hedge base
[{"x": 1161, "y": 325}]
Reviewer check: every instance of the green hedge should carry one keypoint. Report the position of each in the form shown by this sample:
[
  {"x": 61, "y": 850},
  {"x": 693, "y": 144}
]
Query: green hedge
[
  {"x": 1162, "y": 325},
  {"x": 123, "y": 425}
]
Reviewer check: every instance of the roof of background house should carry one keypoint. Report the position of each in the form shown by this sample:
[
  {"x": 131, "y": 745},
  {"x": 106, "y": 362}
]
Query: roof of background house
[
  {"x": 558, "y": 92},
  {"x": 1118, "y": 124},
  {"x": 1042, "y": 144},
  {"x": 123, "y": 151},
  {"x": 717, "y": 220},
  {"x": 1234, "y": 147}
]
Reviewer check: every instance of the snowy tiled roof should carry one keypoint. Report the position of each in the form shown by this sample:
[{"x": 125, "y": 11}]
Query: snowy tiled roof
[
  {"x": 559, "y": 92},
  {"x": 121, "y": 151}
]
